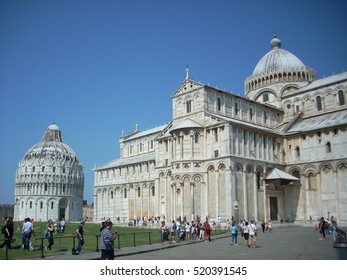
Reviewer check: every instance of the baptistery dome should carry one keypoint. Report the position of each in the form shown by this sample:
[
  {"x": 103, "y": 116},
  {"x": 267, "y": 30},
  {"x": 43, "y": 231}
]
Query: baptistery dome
[{"x": 49, "y": 180}]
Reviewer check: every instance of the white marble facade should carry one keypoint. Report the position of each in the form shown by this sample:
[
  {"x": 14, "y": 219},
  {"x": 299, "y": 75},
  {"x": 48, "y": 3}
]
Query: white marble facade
[
  {"x": 215, "y": 156},
  {"x": 49, "y": 181}
]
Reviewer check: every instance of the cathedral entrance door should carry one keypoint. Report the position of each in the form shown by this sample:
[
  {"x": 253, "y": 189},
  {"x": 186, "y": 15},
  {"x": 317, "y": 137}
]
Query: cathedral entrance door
[
  {"x": 61, "y": 213},
  {"x": 273, "y": 208}
]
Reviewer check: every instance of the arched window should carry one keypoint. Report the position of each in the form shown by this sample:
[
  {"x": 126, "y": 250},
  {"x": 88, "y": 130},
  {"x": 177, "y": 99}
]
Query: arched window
[
  {"x": 52, "y": 205},
  {"x": 189, "y": 106},
  {"x": 196, "y": 138},
  {"x": 258, "y": 180},
  {"x": 236, "y": 108},
  {"x": 219, "y": 104},
  {"x": 296, "y": 174},
  {"x": 265, "y": 97},
  {"x": 341, "y": 98},
  {"x": 297, "y": 152},
  {"x": 138, "y": 192},
  {"x": 125, "y": 193},
  {"x": 153, "y": 191},
  {"x": 30, "y": 204},
  {"x": 328, "y": 147},
  {"x": 43, "y": 169},
  {"x": 111, "y": 194},
  {"x": 250, "y": 114},
  {"x": 319, "y": 103}
]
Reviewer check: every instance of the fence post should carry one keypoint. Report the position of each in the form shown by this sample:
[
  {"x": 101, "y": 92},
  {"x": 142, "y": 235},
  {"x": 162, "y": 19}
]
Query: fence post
[
  {"x": 149, "y": 236},
  {"x": 73, "y": 242},
  {"x": 6, "y": 250},
  {"x": 59, "y": 243},
  {"x": 97, "y": 243},
  {"x": 42, "y": 248},
  {"x": 134, "y": 239},
  {"x": 118, "y": 237}
]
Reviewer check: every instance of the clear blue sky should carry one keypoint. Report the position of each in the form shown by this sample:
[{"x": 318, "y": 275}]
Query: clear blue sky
[{"x": 96, "y": 68}]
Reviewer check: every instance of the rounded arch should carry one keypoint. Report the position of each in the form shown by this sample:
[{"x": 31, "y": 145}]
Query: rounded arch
[
  {"x": 238, "y": 166},
  {"x": 198, "y": 178},
  {"x": 287, "y": 89},
  {"x": 309, "y": 169},
  {"x": 210, "y": 168},
  {"x": 259, "y": 168},
  {"x": 221, "y": 166},
  {"x": 186, "y": 178},
  {"x": 249, "y": 168},
  {"x": 325, "y": 166},
  {"x": 268, "y": 91},
  {"x": 328, "y": 91},
  {"x": 307, "y": 98},
  {"x": 341, "y": 165},
  {"x": 294, "y": 168},
  {"x": 177, "y": 178}
]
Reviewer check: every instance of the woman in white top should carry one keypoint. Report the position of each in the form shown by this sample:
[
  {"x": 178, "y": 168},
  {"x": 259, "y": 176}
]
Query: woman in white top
[{"x": 245, "y": 230}]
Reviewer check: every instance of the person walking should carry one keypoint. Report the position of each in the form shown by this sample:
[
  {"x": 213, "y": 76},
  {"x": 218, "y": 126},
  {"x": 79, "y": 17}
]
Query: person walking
[
  {"x": 79, "y": 232},
  {"x": 252, "y": 229},
  {"x": 62, "y": 225},
  {"x": 263, "y": 226},
  {"x": 7, "y": 231},
  {"x": 269, "y": 225},
  {"x": 233, "y": 229},
  {"x": 107, "y": 242},
  {"x": 27, "y": 231},
  {"x": 321, "y": 228},
  {"x": 201, "y": 231},
  {"x": 172, "y": 231},
  {"x": 165, "y": 232},
  {"x": 49, "y": 234},
  {"x": 334, "y": 229},
  {"x": 207, "y": 231},
  {"x": 245, "y": 230}
]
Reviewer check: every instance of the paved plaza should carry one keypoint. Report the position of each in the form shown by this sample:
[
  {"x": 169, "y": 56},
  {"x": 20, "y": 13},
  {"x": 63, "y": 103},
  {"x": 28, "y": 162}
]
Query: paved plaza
[{"x": 286, "y": 242}]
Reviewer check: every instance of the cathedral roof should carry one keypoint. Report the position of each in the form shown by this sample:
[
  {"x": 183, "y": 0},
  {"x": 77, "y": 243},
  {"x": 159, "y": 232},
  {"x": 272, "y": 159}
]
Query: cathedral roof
[
  {"x": 186, "y": 124},
  {"x": 278, "y": 60},
  {"x": 319, "y": 122},
  {"x": 128, "y": 160}
]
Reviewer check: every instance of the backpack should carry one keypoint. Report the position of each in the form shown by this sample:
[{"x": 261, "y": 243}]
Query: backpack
[{"x": 3, "y": 230}]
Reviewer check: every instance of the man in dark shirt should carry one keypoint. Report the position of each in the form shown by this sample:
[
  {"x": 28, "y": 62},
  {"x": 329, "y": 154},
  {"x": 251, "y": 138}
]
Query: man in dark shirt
[
  {"x": 7, "y": 231},
  {"x": 79, "y": 232}
]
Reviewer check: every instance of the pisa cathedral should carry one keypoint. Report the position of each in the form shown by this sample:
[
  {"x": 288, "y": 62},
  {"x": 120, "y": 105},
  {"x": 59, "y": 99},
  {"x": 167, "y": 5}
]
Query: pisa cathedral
[
  {"x": 277, "y": 153},
  {"x": 49, "y": 180}
]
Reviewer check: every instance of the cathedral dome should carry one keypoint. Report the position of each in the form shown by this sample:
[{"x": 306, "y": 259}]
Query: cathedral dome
[
  {"x": 278, "y": 68},
  {"x": 278, "y": 60}
]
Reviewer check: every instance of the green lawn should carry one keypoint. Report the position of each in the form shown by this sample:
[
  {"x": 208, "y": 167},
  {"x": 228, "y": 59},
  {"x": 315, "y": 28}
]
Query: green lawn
[
  {"x": 64, "y": 241},
  {"x": 127, "y": 236}
]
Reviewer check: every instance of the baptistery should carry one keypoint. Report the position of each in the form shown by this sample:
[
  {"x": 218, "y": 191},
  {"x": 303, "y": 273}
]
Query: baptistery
[{"x": 49, "y": 180}]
